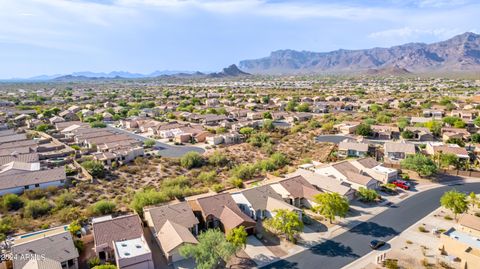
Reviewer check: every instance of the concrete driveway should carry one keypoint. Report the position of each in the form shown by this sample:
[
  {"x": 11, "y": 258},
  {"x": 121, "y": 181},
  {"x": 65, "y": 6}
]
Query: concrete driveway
[
  {"x": 165, "y": 150},
  {"x": 259, "y": 253}
]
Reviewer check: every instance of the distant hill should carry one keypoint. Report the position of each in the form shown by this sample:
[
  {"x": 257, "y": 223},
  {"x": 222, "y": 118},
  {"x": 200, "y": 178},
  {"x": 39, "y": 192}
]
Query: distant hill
[
  {"x": 231, "y": 71},
  {"x": 458, "y": 54}
]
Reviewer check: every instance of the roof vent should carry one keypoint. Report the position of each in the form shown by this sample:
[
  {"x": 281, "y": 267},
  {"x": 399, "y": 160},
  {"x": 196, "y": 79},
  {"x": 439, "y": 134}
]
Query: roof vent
[
  {"x": 138, "y": 246},
  {"x": 124, "y": 245},
  {"x": 127, "y": 253}
]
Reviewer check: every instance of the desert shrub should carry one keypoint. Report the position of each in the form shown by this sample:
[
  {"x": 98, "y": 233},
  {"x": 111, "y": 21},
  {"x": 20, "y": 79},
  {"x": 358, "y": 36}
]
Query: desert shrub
[
  {"x": 218, "y": 159},
  {"x": 244, "y": 171},
  {"x": 147, "y": 197},
  {"x": 95, "y": 168},
  {"x": 35, "y": 194},
  {"x": 37, "y": 208},
  {"x": 12, "y": 202},
  {"x": 191, "y": 160},
  {"x": 65, "y": 199},
  {"x": 102, "y": 207},
  {"x": 208, "y": 177},
  {"x": 236, "y": 182},
  {"x": 217, "y": 187}
]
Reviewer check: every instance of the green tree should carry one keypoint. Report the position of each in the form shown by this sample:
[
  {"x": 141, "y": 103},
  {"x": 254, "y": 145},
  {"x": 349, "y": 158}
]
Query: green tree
[
  {"x": 74, "y": 227},
  {"x": 267, "y": 115},
  {"x": 95, "y": 168},
  {"x": 331, "y": 205},
  {"x": 304, "y": 107},
  {"x": 476, "y": 121},
  {"x": 12, "y": 202},
  {"x": 191, "y": 160},
  {"x": 97, "y": 124},
  {"x": 291, "y": 105},
  {"x": 244, "y": 171},
  {"x": 434, "y": 126},
  {"x": 64, "y": 199},
  {"x": 43, "y": 127},
  {"x": 455, "y": 201},
  {"x": 367, "y": 195},
  {"x": 449, "y": 159},
  {"x": 475, "y": 138},
  {"x": 420, "y": 164},
  {"x": 279, "y": 159},
  {"x": 211, "y": 251},
  {"x": 364, "y": 130},
  {"x": 105, "y": 266},
  {"x": 450, "y": 120},
  {"x": 473, "y": 199},
  {"x": 285, "y": 222},
  {"x": 407, "y": 134},
  {"x": 149, "y": 143},
  {"x": 238, "y": 237},
  {"x": 455, "y": 140},
  {"x": 246, "y": 131}
]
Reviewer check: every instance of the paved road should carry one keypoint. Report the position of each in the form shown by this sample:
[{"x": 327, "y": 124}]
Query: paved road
[
  {"x": 165, "y": 150},
  {"x": 353, "y": 244}
]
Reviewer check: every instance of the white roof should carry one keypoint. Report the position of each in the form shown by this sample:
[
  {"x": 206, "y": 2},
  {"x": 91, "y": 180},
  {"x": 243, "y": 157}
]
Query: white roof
[{"x": 131, "y": 248}]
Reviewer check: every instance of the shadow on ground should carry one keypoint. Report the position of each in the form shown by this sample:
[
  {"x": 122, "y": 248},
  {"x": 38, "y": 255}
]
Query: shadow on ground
[
  {"x": 373, "y": 229},
  {"x": 332, "y": 248}
]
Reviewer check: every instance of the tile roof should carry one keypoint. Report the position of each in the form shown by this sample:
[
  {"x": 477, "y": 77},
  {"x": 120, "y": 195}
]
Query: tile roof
[
  {"x": 258, "y": 196},
  {"x": 180, "y": 213},
  {"x": 32, "y": 178},
  {"x": 216, "y": 204},
  {"x": 353, "y": 146},
  {"x": 299, "y": 187},
  {"x": 172, "y": 235},
  {"x": 399, "y": 147},
  {"x": 26, "y": 158},
  {"x": 58, "y": 247},
  {"x": 117, "y": 229}
]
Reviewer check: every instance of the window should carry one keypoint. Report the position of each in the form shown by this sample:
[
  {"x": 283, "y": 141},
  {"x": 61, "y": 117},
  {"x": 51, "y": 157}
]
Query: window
[
  {"x": 62, "y": 181},
  {"x": 27, "y": 187},
  {"x": 37, "y": 185}
]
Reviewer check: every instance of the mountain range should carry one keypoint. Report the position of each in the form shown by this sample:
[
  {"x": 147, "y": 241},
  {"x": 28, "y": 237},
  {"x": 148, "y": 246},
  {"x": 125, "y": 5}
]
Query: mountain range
[{"x": 458, "y": 54}]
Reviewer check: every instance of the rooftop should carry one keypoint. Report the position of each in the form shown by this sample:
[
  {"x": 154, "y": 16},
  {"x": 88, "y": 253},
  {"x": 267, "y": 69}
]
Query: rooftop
[{"x": 131, "y": 248}]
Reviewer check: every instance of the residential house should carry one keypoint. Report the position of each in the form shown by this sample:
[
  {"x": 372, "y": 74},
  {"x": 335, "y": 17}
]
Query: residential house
[
  {"x": 108, "y": 230},
  {"x": 16, "y": 177},
  {"x": 325, "y": 183},
  {"x": 297, "y": 191},
  {"x": 459, "y": 133},
  {"x": 133, "y": 254},
  {"x": 261, "y": 202},
  {"x": 420, "y": 133},
  {"x": 221, "y": 211},
  {"x": 396, "y": 152},
  {"x": 376, "y": 170},
  {"x": 173, "y": 226},
  {"x": 347, "y": 127},
  {"x": 352, "y": 149},
  {"x": 346, "y": 172},
  {"x": 435, "y": 148},
  {"x": 385, "y": 132},
  {"x": 47, "y": 249},
  {"x": 465, "y": 115},
  {"x": 463, "y": 246}
]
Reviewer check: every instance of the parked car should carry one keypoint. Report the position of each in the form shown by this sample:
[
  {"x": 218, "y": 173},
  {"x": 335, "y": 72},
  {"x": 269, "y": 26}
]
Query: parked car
[
  {"x": 376, "y": 244},
  {"x": 402, "y": 184}
]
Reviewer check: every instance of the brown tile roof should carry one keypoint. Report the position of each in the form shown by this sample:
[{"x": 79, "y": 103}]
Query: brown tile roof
[
  {"x": 299, "y": 187},
  {"x": 368, "y": 162},
  {"x": 180, "y": 213},
  {"x": 172, "y": 235},
  {"x": 215, "y": 205},
  {"x": 117, "y": 229}
]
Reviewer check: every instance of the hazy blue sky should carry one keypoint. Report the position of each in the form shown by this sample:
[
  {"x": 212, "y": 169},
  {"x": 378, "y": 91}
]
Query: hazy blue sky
[{"x": 61, "y": 36}]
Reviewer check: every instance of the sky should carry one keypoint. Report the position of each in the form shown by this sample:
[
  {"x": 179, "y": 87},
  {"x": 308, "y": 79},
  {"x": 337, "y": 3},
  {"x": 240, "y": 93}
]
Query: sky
[{"x": 64, "y": 36}]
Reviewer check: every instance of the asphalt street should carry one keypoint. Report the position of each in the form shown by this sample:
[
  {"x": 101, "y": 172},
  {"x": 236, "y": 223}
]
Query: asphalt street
[
  {"x": 165, "y": 150},
  {"x": 353, "y": 244}
]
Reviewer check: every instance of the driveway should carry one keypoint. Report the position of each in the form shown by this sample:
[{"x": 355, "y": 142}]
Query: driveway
[
  {"x": 345, "y": 248},
  {"x": 165, "y": 150},
  {"x": 259, "y": 253}
]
